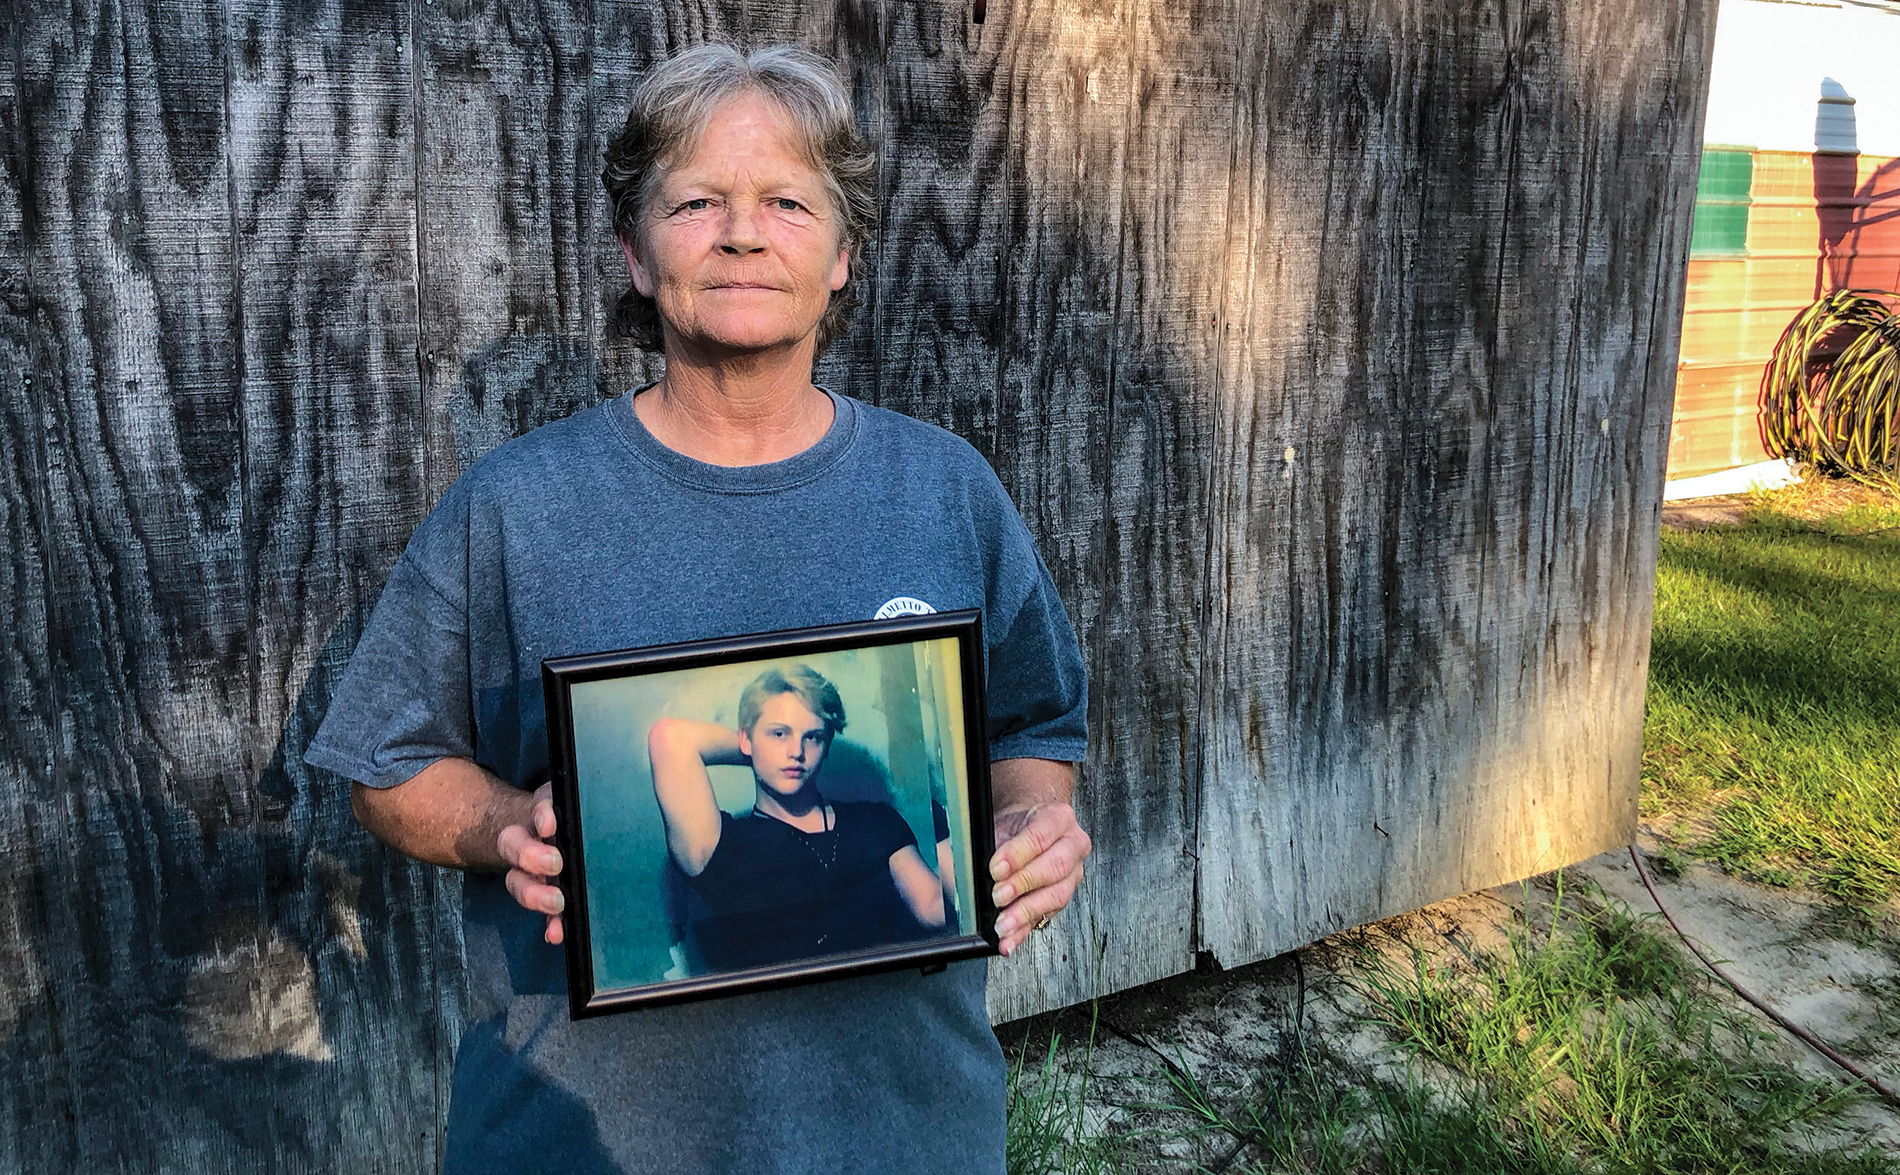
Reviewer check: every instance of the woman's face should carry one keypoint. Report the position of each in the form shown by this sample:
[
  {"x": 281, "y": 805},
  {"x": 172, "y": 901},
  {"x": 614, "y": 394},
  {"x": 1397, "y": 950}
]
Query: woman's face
[
  {"x": 786, "y": 745},
  {"x": 739, "y": 245}
]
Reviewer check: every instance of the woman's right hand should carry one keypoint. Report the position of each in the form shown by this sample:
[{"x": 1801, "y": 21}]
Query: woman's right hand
[{"x": 533, "y": 863}]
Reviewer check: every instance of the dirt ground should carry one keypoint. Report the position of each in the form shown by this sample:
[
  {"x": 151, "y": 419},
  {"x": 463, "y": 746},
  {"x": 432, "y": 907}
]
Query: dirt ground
[
  {"x": 1827, "y": 972},
  {"x": 1816, "y": 497}
]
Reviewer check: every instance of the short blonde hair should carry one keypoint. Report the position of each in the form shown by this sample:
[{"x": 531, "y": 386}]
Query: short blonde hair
[
  {"x": 675, "y": 104},
  {"x": 806, "y": 683}
]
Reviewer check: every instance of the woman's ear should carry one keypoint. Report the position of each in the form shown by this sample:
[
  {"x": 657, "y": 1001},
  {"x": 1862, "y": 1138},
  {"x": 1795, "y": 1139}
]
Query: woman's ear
[
  {"x": 745, "y": 736},
  {"x": 637, "y": 269}
]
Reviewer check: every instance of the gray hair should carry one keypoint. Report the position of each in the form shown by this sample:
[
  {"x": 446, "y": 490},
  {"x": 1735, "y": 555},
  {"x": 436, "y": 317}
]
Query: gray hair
[{"x": 672, "y": 108}]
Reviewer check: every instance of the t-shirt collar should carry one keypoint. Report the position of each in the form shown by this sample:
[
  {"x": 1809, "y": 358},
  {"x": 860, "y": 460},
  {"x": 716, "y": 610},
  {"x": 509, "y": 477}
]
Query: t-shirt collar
[{"x": 768, "y": 478}]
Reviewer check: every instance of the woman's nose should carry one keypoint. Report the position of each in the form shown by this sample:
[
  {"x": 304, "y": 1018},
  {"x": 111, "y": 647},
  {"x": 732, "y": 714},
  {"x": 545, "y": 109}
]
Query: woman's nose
[{"x": 742, "y": 233}]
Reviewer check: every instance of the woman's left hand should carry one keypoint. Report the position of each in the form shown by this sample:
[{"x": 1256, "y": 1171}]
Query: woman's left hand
[{"x": 1036, "y": 868}]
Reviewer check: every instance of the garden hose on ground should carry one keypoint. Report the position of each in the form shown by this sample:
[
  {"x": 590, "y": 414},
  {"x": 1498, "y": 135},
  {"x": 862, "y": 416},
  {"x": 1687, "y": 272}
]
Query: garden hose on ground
[
  {"x": 1814, "y": 1042},
  {"x": 1830, "y": 394}
]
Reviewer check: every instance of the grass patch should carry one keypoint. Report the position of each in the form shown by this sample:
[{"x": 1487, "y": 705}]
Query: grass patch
[
  {"x": 1774, "y": 694},
  {"x": 1581, "y": 1046},
  {"x": 1584, "y": 1045},
  {"x": 1050, "y": 1129}
]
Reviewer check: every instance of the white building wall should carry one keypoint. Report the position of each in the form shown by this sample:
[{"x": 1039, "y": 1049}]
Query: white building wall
[{"x": 1771, "y": 57}]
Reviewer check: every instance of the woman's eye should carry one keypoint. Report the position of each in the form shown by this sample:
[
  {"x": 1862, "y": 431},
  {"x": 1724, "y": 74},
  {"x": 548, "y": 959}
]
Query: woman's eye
[
  {"x": 786, "y": 204},
  {"x": 696, "y": 205}
]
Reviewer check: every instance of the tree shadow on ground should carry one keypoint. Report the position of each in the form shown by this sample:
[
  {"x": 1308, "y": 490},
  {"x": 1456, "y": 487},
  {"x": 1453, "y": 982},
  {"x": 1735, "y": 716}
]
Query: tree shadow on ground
[{"x": 1775, "y": 666}]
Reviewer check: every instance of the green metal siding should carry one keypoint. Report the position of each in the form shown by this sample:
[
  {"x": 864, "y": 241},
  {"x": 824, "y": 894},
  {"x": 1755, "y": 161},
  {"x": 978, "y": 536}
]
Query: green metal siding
[{"x": 1721, "y": 202}]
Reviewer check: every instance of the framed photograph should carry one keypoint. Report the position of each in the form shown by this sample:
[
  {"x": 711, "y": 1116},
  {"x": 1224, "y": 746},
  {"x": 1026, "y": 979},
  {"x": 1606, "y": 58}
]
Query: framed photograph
[{"x": 771, "y": 809}]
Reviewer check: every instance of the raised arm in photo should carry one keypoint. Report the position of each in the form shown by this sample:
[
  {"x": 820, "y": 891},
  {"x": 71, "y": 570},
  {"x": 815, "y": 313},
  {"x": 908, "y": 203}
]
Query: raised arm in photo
[
  {"x": 918, "y": 885},
  {"x": 681, "y": 750}
]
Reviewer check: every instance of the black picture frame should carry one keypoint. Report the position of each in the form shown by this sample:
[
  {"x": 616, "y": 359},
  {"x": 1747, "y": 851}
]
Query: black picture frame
[{"x": 592, "y": 993}]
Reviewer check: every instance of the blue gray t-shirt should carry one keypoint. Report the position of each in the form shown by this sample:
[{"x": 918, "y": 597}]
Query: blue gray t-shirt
[{"x": 586, "y": 535}]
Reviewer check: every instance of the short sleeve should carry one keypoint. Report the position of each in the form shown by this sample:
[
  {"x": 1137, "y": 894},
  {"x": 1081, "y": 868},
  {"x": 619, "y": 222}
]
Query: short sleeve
[
  {"x": 729, "y": 877},
  {"x": 404, "y": 701},
  {"x": 887, "y": 831},
  {"x": 1037, "y": 692}
]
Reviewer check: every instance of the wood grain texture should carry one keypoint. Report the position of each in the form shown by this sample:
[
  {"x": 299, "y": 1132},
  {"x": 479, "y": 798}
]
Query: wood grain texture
[
  {"x": 1339, "y": 409},
  {"x": 26, "y": 710},
  {"x": 945, "y": 161},
  {"x": 507, "y": 173},
  {"x": 1327, "y": 349},
  {"x": 322, "y": 147},
  {"x": 129, "y": 257},
  {"x": 36, "y": 1092},
  {"x": 1142, "y": 794},
  {"x": 216, "y": 952},
  {"x": 1436, "y": 565}
]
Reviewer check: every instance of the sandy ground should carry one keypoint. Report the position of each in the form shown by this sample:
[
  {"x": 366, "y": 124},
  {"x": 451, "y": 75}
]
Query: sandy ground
[
  {"x": 1815, "y": 498},
  {"x": 1228, "y": 1029},
  {"x": 1703, "y": 513}
]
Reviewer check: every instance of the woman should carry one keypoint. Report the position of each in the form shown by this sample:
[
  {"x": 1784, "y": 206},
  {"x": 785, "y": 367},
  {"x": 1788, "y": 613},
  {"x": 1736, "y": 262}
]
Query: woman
[
  {"x": 798, "y": 876},
  {"x": 733, "y": 496}
]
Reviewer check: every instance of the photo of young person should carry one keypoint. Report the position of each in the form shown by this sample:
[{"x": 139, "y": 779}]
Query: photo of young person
[
  {"x": 798, "y": 875},
  {"x": 770, "y": 813}
]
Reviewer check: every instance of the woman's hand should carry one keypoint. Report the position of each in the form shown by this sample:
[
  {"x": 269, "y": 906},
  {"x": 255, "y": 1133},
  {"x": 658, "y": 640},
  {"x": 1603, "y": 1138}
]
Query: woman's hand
[
  {"x": 1036, "y": 868},
  {"x": 533, "y": 863}
]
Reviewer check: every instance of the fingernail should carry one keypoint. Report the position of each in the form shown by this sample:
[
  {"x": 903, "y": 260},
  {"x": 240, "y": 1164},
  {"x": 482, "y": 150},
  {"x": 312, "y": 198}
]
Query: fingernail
[
  {"x": 999, "y": 869},
  {"x": 554, "y": 862},
  {"x": 1002, "y": 895},
  {"x": 558, "y": 904},
  {"x": 1005, "y": 926}
]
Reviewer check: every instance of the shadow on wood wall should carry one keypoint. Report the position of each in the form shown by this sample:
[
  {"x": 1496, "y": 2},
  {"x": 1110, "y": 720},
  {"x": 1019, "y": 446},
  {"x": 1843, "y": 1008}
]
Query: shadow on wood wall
[{"x": 1327, "y": 348}]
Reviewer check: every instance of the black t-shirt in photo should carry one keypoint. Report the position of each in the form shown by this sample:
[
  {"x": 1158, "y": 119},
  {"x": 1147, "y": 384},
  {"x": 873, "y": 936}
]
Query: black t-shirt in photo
[{"x": 774, "y": 894}]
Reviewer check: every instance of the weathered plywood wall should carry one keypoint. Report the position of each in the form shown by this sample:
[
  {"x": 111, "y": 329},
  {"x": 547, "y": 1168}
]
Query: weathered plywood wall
[
  {"x": 1441, "y": 409},
  {"x": 1327, "y": 346}
]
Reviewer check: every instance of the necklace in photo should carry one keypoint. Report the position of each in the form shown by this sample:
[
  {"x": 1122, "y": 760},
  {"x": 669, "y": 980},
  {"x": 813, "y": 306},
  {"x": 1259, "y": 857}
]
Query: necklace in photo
[{"x": 805, "y": 838}]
